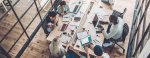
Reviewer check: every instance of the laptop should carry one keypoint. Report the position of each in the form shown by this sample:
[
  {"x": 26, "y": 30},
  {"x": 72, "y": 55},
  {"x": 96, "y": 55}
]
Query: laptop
[
  {"x": 86, "y": 41},
  {"x": 76, "y": 8},
  {"x": 76, "y": 19},
  {"x": 64, "y": 27}
]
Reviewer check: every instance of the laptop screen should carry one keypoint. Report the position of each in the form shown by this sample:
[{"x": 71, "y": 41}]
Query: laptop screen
[
  {"x": 86, "y": 40},
  {"x": 95, "y": 20},
  {"x": 75, "y": 9}
]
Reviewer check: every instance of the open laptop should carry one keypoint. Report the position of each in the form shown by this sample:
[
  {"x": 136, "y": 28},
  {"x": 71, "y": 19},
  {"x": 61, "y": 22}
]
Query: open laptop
[
  {"x": 86, "y": 41},
  {"x": 75, "y": 9},
  {"x": 95, "y": 20}
]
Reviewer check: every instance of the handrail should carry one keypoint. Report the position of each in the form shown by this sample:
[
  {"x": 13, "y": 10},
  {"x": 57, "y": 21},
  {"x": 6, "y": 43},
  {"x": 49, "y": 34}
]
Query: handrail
[
  {"x": 141, "y": 19},
  {"x": 32, "y": 35},
  {"x": 9, "y": 10},
  {"x": 142, "y": 39},
  {"x": 25, "y": 29},
  {"x": 136, "y": 28},
  {"x": 16, "y": 22}
]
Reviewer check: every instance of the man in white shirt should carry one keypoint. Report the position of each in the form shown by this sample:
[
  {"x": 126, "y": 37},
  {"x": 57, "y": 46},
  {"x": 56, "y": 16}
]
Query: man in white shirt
[{"x": 115, "y": 29}]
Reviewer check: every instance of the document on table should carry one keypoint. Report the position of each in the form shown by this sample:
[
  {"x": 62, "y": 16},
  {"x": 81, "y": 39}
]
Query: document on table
[
  {"x": 65, "y": 39},
  {"x": 66, "y": 18},
  {"x": 82, "y": 35}
]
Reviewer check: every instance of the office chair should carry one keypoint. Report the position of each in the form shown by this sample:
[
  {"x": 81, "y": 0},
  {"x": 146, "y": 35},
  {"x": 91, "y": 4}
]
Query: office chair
[
  {"x": 124, "y": 33},
  {"x": 122, "y": 39},
  {"x": 119, "y": 14}
]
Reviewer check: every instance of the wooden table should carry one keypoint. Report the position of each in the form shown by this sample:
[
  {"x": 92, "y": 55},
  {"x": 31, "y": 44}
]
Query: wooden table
[
  {"x": 81, "y": 14},
  {"x": 97, "y": 39}
]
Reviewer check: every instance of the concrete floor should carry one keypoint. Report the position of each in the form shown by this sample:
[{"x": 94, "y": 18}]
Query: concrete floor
[{"x": 38, "y": 48}]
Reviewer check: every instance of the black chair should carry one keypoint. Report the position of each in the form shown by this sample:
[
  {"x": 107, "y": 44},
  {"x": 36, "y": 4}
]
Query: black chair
[
  {"x": 119, "y": 14},
  {"x": 122, "y": 39},
  {"x": 107, "y": 2}
]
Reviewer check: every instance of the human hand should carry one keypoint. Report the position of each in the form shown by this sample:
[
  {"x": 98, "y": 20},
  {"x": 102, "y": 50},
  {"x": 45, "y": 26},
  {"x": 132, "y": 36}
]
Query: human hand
[
  {"x": 87, "y": 50},
  {"x": 71, "y": 47}
]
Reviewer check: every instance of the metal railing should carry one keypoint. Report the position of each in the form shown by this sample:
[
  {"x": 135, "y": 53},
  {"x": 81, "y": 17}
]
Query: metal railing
[
  {"x": 29, "y": 37},
  {"x": 139, "y": 30}
]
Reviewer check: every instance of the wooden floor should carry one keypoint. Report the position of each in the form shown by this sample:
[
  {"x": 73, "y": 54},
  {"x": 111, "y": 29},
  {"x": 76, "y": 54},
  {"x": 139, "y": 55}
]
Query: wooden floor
[{"x": 38, "y": 48}]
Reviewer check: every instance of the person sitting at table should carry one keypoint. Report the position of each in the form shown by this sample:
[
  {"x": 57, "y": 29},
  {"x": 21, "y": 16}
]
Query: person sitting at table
[
  {"x": 72, "y": 53},
  {"x": 58, "y": 51},
  {"x": 115, "y": 31},
  {"x": 98, "y": 51},
  {"x": 51, "y": 21},
  {"x": 63, "y": 8}
]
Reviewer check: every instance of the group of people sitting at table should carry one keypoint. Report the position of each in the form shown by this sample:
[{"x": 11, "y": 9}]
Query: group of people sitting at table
[
  {"x": 51, "y": 21},
  {"x": 57, "y": 50}
]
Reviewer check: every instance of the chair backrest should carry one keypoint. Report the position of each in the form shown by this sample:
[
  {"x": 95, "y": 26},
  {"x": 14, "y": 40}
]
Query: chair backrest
[
  {"x": 125, "y": 31},
  {"x": 119, "y": 14}
]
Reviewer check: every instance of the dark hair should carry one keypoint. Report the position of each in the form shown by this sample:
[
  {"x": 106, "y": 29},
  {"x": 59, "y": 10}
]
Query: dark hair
[
  {"x": 55, "y": 39},
  {"x": 114, "y": 18},
  {"x": 62, "y": 3},
  {"x": 89, "y": 45},
  {"x": 52, "y": 14},
  {"x": 98, "y": 50}
]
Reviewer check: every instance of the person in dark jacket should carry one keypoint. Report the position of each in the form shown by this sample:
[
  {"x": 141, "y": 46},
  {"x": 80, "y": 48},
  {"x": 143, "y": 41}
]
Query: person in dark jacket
[{"x": 51, "y": 21}]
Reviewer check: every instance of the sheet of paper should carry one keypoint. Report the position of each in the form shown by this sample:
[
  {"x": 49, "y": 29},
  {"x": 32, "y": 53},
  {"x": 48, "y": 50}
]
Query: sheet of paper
[
  {"x": 82, "y": 35},
  {"x": 85, "y": 40},
  {"x": 65, "y": 38},
  {"x": 66, "y": 18}
]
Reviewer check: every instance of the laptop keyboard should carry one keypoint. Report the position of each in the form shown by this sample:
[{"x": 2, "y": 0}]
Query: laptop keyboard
[{"x": 75, "y": 9}]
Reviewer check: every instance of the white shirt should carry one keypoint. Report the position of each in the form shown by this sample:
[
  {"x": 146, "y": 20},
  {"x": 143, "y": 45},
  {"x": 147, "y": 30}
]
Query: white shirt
[
  {"x": 115, "y": 30},
  {"x": 105, "y": 55}
]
